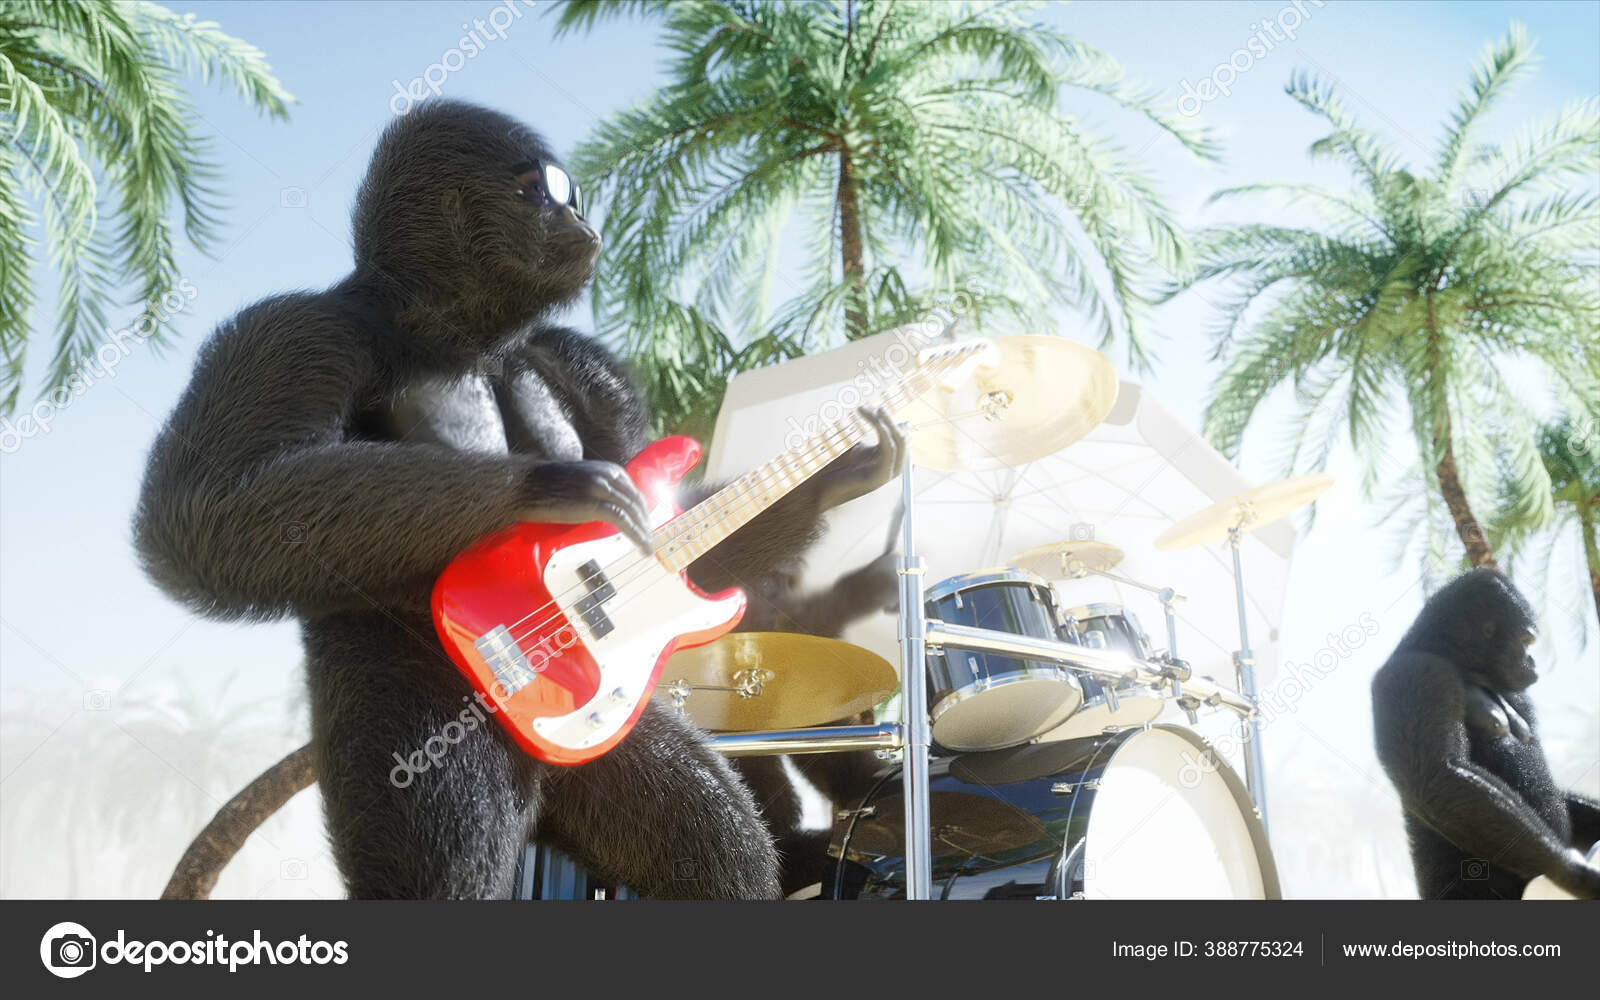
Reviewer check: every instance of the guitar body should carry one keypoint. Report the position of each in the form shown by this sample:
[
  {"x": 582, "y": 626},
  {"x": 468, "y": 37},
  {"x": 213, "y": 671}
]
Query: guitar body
[{"x": 565, "y": 628}]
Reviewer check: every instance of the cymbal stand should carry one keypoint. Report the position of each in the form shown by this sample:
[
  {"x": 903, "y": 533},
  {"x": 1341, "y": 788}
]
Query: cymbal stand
[
  {"x": 914, "y": 702},
  {"x": 1244, "y": 662}
]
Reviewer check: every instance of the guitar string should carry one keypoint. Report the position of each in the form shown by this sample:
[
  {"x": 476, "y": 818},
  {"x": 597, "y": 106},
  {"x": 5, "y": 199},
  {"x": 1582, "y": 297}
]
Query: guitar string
[
  {"x": 748, "y": 492},
  {"x": 746, "y": 499},
  {"x": 740, "y": 490},
  {"x": 743, "y": 497}
]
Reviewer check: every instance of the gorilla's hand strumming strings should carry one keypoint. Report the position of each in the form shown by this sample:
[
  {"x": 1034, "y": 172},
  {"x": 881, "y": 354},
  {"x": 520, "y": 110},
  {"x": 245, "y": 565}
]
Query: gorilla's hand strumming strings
[
  {"x": 1455, "y": 732},
  {"x": 336, "y": 449}
]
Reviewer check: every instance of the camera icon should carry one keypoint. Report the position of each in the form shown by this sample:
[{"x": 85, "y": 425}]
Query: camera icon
[
  {"x": 293, "y": 869},
  {"x": 686, "y": 870},
  {"x": 292, "y": 197},
  {"x": 67, "y": 950},
  {"x": 293, "y": 533},
  {"x": 98, "y": 700},
  {"x": 1474, "y": 870},
  {"x": 1081, "y": 531}
]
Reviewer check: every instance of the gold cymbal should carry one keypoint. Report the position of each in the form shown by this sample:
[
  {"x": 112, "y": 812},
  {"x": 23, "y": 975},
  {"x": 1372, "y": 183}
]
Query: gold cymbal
[
  {"x": 1067, "y": 560},
  {"x": 1246, "y": 511},
  {"x": 791, "y": 681},
  {"x": 961, "y": 824},
  {"x": 1032, "y": 397}
]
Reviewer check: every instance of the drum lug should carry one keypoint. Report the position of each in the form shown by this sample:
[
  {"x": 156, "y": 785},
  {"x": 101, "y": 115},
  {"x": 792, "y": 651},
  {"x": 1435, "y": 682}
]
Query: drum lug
[{"x": 1068, "y": 788}]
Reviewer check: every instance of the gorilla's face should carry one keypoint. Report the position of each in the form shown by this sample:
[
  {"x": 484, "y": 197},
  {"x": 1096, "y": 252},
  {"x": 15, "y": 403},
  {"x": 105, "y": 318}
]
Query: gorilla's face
[
  {"x": 1508, "y": 663},
  {"x": 466, "y": 217}
]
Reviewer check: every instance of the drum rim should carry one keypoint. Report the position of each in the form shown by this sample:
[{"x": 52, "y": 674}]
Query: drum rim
[
  {"x": 979, "y": 686},
  {"x": 1099, "y": 609},
  {"x": 1270, "y": 886},
  {"x": 966, "y": 581}
]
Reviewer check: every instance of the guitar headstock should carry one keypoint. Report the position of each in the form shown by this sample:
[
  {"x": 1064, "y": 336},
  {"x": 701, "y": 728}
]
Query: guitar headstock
[{"x": 950, "y": 364}]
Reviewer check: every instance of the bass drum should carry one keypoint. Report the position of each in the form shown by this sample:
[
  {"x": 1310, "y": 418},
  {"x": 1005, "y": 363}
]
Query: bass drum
[{"x": 1143, "y": 814}]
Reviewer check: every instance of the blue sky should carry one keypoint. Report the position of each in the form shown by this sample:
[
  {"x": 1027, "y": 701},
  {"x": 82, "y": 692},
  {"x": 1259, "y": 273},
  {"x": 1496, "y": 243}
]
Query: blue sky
[{"x": 78, "y": 615}]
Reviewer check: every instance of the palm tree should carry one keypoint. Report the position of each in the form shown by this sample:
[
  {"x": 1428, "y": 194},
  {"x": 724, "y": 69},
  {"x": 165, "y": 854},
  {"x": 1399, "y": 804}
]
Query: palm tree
[
  {"x": 894, "y": 144},
  {"x": 1567, "y": 451},
  {"x": 90, "y": 98},
  {"x": 1435, "y": 292}
]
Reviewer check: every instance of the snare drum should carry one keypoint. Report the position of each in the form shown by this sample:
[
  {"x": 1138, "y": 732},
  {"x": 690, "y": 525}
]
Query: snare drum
[
  {"x": 1108, "y": 705},
  {"x": 1144, "y": 814},
  {"x": 984, "y": 701}
]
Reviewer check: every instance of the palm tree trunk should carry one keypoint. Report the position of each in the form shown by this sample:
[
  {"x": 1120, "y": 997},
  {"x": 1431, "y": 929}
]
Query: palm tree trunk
[
  {"x": 198, "y": 869},
  {"x": 1455, "y": 498},
  {"x": 1591, "y": 550},
  {"x": 852, "y": 256}
]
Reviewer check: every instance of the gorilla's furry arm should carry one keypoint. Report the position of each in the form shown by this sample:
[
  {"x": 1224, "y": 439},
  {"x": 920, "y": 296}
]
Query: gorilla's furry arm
[
  {"x": 1585, "y": 815},
  {"x": 1427, "y": 755},
  {"x": 259, "y": 500}
]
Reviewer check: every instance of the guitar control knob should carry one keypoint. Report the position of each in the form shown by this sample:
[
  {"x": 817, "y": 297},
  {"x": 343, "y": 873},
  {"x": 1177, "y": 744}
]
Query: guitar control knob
[
  {"x": 618, "y": 695},
  {"x": 596, "y": 720}
]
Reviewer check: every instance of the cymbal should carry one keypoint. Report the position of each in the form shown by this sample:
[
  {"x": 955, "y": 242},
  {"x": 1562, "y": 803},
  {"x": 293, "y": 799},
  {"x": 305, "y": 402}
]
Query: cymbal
[
  {"x": 793, "y": 681},
  {"x": 1246, "y": 511},
  {"x": 1032, "y": 397},
  {"x": 962, "y": 825},
  {"x": 1066, "y": 560}
]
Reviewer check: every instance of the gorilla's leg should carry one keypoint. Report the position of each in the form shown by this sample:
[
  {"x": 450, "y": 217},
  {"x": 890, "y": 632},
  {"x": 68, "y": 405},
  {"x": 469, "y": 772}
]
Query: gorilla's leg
[
  {"x": 663, "y": 814},
  {"x": 453, "y": 824}
]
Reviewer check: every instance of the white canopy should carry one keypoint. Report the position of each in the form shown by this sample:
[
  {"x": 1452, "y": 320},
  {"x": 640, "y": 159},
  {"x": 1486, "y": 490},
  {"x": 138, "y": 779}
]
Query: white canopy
[{"x": 1133, "y": 476}]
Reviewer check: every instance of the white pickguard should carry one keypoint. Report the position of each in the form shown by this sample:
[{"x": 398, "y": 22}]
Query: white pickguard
[{"x": 652, "y": 607}]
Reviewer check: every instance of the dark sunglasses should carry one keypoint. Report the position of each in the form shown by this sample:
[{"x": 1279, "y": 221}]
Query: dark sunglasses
[{"x": 547, "y": 184}]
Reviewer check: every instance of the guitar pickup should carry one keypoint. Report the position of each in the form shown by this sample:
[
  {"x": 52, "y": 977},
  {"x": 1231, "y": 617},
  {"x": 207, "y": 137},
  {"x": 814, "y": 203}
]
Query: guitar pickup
[
  {"x": 510, "y": 665},
  {"x": 597, "y": 590}
]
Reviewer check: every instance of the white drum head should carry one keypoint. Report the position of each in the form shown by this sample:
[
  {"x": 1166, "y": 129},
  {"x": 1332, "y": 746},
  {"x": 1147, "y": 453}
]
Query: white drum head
[
  {"x": 1005, "y": 714},
  {"x": 1169, "y": 822}
]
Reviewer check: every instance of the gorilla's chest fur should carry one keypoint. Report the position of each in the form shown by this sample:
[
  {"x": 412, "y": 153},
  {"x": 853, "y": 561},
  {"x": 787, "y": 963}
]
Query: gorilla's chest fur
[
  {"x": 1503, "y": 744},
  {"x": 490, "y": 414}
]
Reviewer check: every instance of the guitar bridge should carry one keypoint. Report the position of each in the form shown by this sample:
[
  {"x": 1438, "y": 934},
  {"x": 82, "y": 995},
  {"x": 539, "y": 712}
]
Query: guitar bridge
[{"x": 510, "y": 665}]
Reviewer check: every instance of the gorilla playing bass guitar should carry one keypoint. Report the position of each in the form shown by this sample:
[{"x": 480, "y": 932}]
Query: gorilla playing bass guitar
[{"x": 336, "y": 449}]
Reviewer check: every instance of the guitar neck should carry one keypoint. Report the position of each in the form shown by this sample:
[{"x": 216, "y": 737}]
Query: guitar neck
[{"x": 697, "y": 530}]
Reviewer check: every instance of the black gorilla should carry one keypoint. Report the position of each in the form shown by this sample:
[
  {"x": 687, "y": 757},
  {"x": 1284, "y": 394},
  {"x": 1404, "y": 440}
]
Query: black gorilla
[
  {"x": 1455, "y": 731},
  {"x": 777, "y": 604},
  {"x": 335, "y": 449}
]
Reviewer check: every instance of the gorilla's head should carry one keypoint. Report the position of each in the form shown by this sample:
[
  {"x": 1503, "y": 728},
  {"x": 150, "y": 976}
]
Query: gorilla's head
[
  {"x": 465, "y": 224},
  {"x": 1484, "y": 625}
]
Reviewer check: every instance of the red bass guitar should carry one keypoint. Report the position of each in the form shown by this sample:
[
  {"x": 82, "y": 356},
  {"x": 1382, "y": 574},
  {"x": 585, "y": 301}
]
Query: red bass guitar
[{"x": 566, "y": 628}]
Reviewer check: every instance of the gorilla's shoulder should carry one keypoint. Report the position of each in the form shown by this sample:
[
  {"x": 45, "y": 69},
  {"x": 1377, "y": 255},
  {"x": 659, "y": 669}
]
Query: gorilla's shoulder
[{"x": 304, "y": 331}]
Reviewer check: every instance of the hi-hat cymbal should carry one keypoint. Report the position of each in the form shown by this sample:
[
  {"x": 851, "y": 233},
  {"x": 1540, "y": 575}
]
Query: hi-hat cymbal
[
  {"x": 1034, "y": 396},
  {"x": 1067, "y": 560},
  {"x": 1246, "y": 511},
  {"x": 792, "y": 681}
]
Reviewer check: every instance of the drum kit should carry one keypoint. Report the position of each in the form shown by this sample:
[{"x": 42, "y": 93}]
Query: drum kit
[{"x": 1029, "y": 759}]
